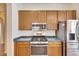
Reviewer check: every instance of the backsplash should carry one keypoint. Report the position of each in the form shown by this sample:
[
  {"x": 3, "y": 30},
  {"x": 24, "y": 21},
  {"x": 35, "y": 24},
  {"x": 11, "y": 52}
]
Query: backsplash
[{"x": 30, "y": 33}]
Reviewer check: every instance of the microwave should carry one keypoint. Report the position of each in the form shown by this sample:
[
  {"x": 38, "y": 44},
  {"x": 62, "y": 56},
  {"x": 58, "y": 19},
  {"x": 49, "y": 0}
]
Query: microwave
[{"x": 39, "y": 26}]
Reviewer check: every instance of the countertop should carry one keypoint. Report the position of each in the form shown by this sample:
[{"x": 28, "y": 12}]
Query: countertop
[{"x": 28, "y": 38}]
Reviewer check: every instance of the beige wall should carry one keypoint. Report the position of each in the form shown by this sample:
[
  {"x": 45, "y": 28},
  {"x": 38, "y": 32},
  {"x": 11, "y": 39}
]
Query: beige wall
[
  {"x": 14, "y": 13},
  {"x": 9, "y": 30}
]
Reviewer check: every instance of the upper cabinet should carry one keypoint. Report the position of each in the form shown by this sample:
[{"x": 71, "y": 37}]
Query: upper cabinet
[
  {"x": 25, "y": 20},
  {"x": 39, "y": 17},
  {"x": 51, "y": 17},
  {"x": 35, "y": 16},
  {"x": 52, "y": 20},
  {"x": 61, "y": 15},
  {"x": 42, "y": 16},
  {"x": 71, "y": 14}
]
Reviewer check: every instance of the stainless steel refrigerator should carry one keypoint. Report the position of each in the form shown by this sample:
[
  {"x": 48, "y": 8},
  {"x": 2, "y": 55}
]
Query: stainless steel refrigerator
[{"x": 72, "y": 37}]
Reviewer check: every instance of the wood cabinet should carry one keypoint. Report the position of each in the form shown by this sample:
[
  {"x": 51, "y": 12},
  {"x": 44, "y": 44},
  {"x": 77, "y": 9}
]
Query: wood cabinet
[
  {"x": 61, "y": 15},
  {"x": 42, "y": 17},
  {"x": 66, "y": 15},
  {"x": 51, "y": 17},
  {"x": 35, "y": 17},
  {"x": 25, "y": 20},
  {"x": 22, "y": 49},
  {"x": 54, "y": 49},
  {"x": 52, "y": 20},
  {"x": 71, "y": 14},
  {"x": 39, "y": 16}
]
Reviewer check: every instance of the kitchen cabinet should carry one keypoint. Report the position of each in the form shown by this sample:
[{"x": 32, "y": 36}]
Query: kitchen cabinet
[
  {"x": 35, "y": 16},
  {"x": 22, "y": 48},
  {"x": 52, "y": 20},
  {"x": 42, "y": 16},
  {"x": 39, "y": 17},
  {"x": 25, "y": 20},
  {"x": 54, "y": 49},
  {"x": 51, "y": 17},
  {"x": 71, "y": 14},
  {"x": 61, "y": 16}
]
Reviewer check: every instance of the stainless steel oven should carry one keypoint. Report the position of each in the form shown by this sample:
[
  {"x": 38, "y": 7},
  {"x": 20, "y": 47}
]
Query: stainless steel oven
[
  {"x": 39, "y": 49},
  {"x": 39, "y": 45}
]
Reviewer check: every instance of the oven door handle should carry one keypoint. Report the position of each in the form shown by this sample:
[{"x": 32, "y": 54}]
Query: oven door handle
[{"x": 39, "y": 45}]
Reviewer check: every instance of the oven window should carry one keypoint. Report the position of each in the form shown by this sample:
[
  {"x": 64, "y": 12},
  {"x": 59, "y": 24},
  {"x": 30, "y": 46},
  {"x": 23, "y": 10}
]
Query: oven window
[{"x": 38, "y": 50}]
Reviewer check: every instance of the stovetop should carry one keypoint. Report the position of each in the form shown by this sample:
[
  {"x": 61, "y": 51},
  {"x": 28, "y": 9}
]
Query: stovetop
[{"x": 39, "y": 39}]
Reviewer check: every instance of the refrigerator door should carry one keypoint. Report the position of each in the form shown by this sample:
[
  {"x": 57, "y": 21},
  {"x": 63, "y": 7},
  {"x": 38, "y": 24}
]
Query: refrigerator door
[
  {"x": 77, "y": 30},
  {"x": 71, "y": 30},
  {"x": 77, "y": 33},
  {"x": 72, "y": 37}
]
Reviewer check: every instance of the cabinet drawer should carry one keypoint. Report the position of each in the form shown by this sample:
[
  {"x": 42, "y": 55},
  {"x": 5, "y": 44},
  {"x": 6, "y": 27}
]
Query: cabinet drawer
[
  {"x": 26, "y": 43},
  {"x": 23, "y": 45},
  {"x": 54, "y": 43}
]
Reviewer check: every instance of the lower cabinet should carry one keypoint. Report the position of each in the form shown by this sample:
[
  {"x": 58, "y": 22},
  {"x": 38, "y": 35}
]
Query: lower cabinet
[
  {"x": 54, "y": 48},
  {"x": 22, "y": 49}
]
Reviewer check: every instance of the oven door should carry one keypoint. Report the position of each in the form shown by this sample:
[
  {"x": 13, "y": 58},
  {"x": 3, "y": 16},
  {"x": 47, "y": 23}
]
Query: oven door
[{"x": 39, "y": 50}]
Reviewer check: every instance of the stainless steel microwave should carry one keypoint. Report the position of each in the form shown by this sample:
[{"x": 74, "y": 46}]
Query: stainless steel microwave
[{"x": 39, "y": 26}]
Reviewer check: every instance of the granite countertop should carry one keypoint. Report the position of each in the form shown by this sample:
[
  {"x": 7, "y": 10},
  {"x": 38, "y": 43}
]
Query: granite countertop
[
  {"x": 23, "y": 38},
  {"x": 28, "y": 38}
]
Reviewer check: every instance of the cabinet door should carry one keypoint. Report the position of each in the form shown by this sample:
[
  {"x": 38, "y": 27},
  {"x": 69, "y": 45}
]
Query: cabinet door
[
  {"x": 39, "y": 16},
  {"x": 25, "y": 20},
  {"x": 42, "y": 17},
  {"x": 71, "y": 14},
  {"x": 52, "y": 19},
  {"x": 61, "y": 15},
  {"x": 54, "y": 49},
  {"x": 35, "y": 16},
  {"x": 22, "y": 49}
]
